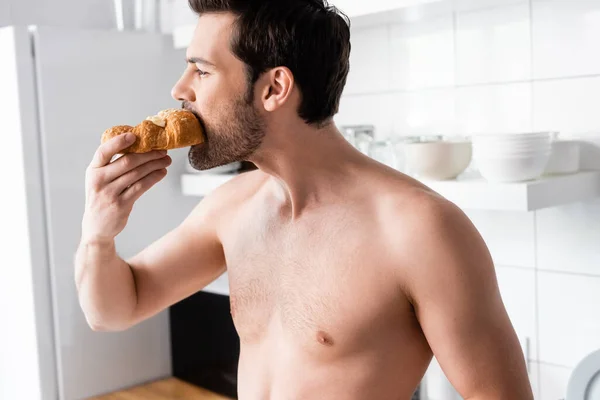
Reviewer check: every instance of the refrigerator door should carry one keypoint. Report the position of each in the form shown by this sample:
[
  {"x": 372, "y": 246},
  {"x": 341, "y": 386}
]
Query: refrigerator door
[
  {"x": 27, "y": 361},
  {"x": 88, "y": 81}
]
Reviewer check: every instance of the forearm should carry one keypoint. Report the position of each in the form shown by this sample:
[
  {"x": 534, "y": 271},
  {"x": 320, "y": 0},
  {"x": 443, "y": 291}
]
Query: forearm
[{"x": 106, "y": 286}]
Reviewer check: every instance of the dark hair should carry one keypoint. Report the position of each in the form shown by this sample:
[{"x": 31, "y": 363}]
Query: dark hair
[{"x": 309, "y": 37}]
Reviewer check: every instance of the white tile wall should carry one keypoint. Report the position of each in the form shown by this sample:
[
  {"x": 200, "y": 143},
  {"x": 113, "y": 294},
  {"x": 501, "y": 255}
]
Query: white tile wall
[
  {"x": 565, "y": 38},
  {"x": 425, "y": 111},
  {"x": 470, "y": 5},
  {"x": 369, "y": 61},
  {"x": 568, "y": 310},
  {"x": 569, "y": 238},
  {"x": 517, "y": 287},
  {"x": 509, "y": 236},
  {"x": 377, "y": 109},
  {"x": 553, "y": 381},
  {"x": 494, "y": 108},
  {"x": 405, "y": 14},
  {"x": 493, "y": 45},
  {"x": 569, "y": 105},
  {"x": 422, "y": 53},
  {"x": 493, "y": 67}
]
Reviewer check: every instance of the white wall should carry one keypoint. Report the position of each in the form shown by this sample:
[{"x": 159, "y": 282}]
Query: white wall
[
  {"x": 4, "y": 13},
  {"x": 502, "y": 66},
  {"x": 92, "y": 14}
]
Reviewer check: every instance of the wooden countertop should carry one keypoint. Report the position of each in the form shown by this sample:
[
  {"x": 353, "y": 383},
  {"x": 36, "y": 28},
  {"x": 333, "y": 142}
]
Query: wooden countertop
[{"x": 166, "y": 389}]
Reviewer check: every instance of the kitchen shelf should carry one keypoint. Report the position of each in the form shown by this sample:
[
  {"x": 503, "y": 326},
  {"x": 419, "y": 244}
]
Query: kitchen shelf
[
  {"x": 470, "y": 192},
  {"x": 201, "y": 184},
  {"x": 551, "y": 191}
]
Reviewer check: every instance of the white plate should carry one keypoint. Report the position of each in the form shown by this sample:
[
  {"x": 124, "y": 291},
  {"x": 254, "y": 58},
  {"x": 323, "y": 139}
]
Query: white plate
[{"x": 584, "y": 383}]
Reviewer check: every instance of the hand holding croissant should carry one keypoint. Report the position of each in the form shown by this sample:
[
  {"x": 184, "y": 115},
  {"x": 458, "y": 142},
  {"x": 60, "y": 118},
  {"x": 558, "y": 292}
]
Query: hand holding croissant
[{"x": 170, "y": 129}]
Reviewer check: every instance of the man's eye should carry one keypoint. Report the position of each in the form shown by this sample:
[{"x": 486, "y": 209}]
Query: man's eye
[{"x": 201, "y": 73}]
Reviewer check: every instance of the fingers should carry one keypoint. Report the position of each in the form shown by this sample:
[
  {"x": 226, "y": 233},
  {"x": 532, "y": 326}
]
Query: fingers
[
  {"x": 108, "y": 150},
  {"x": 136, "y": 190},
  {"x": 130, "y": 162},
  {"x": 123, "y": 182}
]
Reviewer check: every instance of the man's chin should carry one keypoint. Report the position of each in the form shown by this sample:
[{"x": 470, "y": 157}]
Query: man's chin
[{"x": 200, "y": 164}]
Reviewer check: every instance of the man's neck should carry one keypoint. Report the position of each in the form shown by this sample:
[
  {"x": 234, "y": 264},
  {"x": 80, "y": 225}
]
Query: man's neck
[{"x": 308, "y": 166}]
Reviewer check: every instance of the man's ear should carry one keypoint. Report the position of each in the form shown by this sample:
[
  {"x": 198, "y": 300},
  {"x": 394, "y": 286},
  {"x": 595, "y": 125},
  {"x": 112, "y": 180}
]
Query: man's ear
[{"x": 278, "y": 86}]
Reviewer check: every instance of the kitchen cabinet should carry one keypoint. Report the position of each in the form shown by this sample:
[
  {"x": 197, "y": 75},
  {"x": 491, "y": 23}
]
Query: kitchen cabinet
[
  {"x": 90, "y": 14},
  {"x": 176, "y": 17},
  {"x": 4, "y": 13}
]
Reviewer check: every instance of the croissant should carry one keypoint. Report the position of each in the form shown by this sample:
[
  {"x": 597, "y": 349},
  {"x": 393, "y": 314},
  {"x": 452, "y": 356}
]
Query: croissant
[{"x": 170, "y": 129}]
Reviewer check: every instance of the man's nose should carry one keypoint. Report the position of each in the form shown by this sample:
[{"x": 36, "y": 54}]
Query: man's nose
[{"x": 182, "y": 91}]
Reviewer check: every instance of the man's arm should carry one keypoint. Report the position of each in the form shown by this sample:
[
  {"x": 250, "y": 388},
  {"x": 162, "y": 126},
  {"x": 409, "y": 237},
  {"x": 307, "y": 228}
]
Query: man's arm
[
  {"x": 453, "y": 287},
  {"x": 115, "y": 294}
]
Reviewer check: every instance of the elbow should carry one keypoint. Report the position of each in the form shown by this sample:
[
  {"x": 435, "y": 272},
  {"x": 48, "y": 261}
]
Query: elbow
[
  {"x": 107, "y": 329},
  {"x": 98, "y": 326},
  {"x": 99, "y": 321}
]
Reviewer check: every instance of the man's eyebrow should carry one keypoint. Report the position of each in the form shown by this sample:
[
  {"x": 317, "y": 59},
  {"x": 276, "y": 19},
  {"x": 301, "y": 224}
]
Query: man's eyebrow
[{"x": 199, "y": 60}]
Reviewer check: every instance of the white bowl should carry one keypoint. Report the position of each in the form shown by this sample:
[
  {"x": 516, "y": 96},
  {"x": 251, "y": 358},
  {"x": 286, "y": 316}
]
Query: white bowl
[
  {"x": 511, "y": 140},
  {"x": 515, "y": 136},
  {"x": 512, "y": 169},
  {"x": 504, "y": 146},
  {"x": 499, "y": 153},
  {"x": 437, "y": 160},
  {"x": 516, "y": 149},
  {"x": 532, "y": 144},
  {"x": 564, "y": 158}
]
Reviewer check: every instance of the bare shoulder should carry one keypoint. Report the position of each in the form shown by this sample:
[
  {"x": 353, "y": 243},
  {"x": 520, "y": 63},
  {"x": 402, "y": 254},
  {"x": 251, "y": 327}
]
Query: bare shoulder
[
  {"x": 421, "y": 210},
  {"x": 430, "y": 235}
]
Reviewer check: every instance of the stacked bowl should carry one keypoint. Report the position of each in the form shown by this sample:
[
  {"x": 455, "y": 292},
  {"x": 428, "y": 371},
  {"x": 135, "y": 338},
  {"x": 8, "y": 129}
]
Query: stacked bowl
[{"x": 512, "y": 157}]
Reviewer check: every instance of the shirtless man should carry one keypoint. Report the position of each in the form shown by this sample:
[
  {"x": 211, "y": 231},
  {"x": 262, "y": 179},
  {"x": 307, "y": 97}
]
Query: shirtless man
[{"x": 346, "y": 276}]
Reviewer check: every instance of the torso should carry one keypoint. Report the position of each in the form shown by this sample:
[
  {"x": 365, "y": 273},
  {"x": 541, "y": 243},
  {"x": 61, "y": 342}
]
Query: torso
[{"x": 318, "y": 304}]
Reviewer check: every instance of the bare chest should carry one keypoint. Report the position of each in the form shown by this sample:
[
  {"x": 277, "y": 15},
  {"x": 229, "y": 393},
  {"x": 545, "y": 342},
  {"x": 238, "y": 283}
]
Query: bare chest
[{"x": 325, "y": 285}]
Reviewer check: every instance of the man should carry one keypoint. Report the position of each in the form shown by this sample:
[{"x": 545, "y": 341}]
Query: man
[{"x": 346, "y": 276}]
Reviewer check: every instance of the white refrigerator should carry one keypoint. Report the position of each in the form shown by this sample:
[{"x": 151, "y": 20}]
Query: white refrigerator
[{"x": 59, "y": 90}]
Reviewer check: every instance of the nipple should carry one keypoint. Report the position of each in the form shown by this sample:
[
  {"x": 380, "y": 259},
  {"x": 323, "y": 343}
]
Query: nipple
[{"x": 324, "y": 339}]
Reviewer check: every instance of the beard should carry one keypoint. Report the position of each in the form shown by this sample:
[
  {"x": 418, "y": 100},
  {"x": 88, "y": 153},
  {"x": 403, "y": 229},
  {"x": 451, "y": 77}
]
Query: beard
[{"x": 233, "y": 136}]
